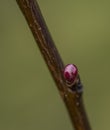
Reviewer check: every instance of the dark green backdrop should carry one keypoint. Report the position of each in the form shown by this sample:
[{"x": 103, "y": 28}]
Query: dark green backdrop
[{"x": 29, "y": 99}]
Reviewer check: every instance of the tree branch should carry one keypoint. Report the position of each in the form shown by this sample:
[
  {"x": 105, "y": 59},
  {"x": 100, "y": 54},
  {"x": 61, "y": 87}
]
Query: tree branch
[{"x": 71, "y": 97}]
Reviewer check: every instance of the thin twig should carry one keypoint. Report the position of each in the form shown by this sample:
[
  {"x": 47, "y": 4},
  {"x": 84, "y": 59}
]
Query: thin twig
[{"x": 72, "y": 98}]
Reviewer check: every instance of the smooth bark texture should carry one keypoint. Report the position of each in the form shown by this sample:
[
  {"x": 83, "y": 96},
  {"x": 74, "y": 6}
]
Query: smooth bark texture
[{"x": 72, "y": 97}]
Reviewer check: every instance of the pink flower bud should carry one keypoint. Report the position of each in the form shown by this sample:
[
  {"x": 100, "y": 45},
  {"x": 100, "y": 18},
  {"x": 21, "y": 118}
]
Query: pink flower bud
[{"x": 70, "y": 73}]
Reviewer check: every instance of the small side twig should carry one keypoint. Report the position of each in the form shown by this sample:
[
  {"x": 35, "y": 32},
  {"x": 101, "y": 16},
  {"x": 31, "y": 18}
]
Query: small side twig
[{"x": 72, "y": 99}]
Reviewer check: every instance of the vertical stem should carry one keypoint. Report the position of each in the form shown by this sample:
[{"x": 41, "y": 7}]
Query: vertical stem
[{"x": 72, "y": 98}]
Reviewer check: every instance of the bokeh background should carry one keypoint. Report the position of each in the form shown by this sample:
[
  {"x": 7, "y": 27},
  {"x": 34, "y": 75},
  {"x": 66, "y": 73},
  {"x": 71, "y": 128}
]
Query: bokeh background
[{"x": 29, "y": 99}]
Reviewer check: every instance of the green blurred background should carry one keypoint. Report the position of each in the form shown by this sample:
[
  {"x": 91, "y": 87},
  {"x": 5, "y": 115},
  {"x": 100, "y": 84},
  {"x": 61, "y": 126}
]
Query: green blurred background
[{"x": 29, "y": 99}]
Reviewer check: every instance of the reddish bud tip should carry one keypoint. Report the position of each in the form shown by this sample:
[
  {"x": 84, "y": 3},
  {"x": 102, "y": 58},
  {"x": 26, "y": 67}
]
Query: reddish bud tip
[{"x": 70, "y": 73}]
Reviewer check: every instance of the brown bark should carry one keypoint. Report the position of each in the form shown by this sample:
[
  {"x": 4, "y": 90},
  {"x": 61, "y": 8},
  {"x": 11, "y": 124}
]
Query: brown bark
[{"x": 71, "y": 97}]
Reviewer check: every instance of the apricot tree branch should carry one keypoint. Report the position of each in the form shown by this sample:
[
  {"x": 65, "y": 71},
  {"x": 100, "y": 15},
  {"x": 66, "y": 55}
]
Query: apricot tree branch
[{"x": 71, "y": 97}]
